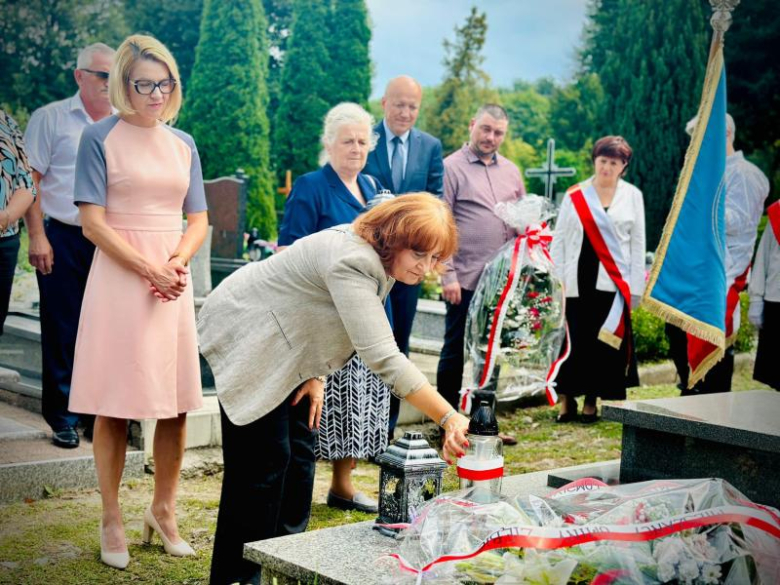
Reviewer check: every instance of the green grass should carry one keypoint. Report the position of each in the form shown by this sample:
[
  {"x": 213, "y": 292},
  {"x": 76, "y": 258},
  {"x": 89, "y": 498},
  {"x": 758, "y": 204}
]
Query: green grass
[{"x": 56, "y": 540}]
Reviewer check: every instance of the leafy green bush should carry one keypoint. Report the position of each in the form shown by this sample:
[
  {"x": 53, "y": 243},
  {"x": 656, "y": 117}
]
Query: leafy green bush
[
  {"x": 746, "y": 337},
  {"x": 650, "y": 341}
]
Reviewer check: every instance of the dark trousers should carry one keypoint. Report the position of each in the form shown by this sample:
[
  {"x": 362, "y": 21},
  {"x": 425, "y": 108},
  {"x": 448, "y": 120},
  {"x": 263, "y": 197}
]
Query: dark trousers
[
  {"x": 403, "y": 299},
  {"x": 718, "y": 379},
  {"x": 9, "y": 251},
  {"x": 61, "y": 294},
  {"x": 449, "y": 374},
  {"x": 266, "y": 489}
]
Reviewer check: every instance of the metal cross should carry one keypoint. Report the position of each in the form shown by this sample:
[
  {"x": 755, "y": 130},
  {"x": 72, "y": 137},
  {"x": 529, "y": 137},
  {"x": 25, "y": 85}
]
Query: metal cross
[{"x": 550, "y": 171}]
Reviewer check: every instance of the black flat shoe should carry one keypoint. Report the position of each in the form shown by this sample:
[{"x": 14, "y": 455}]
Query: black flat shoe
[
  {"x": 67, "y": 438},
  {"x": 589, "y": 419},
  {"x": 566, "y": 418},
  {"x": 360, "y": 502}
]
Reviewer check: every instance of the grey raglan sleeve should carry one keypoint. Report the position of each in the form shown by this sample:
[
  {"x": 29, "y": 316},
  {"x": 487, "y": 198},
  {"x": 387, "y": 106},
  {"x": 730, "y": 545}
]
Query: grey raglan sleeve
[
  {"x": 195, "y": 201},
  {"x": 90, "y": 185}
]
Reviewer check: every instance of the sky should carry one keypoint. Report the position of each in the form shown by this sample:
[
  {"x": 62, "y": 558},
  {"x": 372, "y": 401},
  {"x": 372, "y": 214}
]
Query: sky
[{"x": 526, "y": 39}]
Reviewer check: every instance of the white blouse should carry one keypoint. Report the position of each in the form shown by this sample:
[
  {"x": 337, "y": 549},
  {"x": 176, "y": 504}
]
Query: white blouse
[{"x": 627, "y": 212}]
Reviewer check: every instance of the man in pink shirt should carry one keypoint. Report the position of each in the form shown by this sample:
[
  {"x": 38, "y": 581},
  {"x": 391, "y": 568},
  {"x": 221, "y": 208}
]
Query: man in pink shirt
[{"x": 476, "y": 178}]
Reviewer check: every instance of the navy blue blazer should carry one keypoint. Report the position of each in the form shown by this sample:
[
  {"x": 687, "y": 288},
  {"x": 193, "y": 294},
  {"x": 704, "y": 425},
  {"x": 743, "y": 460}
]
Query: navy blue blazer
[
  {"x": 319, "y": 200},
  {"x": 424, "y": 165}
]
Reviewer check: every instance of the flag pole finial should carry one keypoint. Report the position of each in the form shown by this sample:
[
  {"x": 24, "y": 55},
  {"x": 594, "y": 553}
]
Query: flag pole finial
[{"x": 721, "y": 14}]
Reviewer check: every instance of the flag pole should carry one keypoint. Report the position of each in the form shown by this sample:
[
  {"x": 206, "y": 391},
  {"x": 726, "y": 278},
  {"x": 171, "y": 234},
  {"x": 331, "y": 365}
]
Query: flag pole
[{"x": 720, "y": 21}]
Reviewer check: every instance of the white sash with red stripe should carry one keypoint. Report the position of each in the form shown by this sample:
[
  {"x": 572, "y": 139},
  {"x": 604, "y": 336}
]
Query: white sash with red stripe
[{"x": 601, "y": 233}]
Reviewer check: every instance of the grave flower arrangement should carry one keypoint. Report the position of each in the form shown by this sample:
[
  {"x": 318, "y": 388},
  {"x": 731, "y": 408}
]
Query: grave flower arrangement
[
  {"x": 515, "y": 324},
  {"x": 691, "y": 532}
]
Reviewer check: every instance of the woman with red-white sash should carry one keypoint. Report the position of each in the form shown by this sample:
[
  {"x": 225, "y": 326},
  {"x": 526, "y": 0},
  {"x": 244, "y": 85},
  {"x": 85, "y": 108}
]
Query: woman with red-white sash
[
  {"x": 764, "y": 291},
  {"x": 599, "y": 253}
]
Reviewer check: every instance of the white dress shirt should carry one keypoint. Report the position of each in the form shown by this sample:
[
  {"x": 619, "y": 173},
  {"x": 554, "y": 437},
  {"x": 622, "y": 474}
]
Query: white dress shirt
[
  {"x": 404, "y": 146},
  {"x": 52, "y": 139},
  {"x": 746, "y": 190},
  {"x": 627, "y": 212},
  {"x": 765, "y": 274}
]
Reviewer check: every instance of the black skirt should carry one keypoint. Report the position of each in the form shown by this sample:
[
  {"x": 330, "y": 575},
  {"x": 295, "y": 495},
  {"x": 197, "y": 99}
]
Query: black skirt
[
  {"x": 593, "y": 367},
  {"x": 766, "y": 369}
]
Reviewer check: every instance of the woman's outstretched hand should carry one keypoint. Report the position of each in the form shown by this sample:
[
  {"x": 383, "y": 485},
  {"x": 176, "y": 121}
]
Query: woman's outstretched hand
[
  {"x": 315, "y": 390},
  {"x": 455, "y": 441}
]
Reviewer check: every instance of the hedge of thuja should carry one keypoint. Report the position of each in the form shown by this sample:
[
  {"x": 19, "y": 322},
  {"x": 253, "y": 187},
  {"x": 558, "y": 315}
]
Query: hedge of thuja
[{"x": 652, "y": 345}]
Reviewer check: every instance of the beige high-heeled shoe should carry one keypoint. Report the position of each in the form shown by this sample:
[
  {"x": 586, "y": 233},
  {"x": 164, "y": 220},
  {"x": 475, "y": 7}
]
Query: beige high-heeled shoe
[
  {"x": 118, "y": 560},
  {"x": 180, "y": 549}
]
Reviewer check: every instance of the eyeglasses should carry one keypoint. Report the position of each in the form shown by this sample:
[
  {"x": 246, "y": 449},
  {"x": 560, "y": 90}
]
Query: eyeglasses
[
  {"x": 147, "y": 86},
  {"x": 100, "y": 74}
]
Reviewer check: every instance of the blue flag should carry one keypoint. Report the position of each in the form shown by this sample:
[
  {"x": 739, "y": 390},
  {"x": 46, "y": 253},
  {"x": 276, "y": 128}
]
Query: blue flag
[{"x": 687, "y": 285}]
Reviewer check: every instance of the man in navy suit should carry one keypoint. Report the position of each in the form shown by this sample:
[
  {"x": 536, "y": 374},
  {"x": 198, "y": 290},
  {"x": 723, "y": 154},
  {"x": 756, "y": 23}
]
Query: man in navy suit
[{"x": 405, "y": 160}]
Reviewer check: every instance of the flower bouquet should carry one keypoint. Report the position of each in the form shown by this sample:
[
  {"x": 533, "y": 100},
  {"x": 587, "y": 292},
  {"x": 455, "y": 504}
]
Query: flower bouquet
[
  {"x": 515, "y": 322},
  {"x": 693, "y": 532}
]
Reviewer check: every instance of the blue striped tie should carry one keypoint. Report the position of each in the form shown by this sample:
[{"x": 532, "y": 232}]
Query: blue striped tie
[{"x": 397, "y": 164}]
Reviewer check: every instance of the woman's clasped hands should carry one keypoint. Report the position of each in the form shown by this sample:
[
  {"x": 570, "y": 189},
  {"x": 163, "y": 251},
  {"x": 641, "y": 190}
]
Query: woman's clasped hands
[{"x": 168, "y": 282}]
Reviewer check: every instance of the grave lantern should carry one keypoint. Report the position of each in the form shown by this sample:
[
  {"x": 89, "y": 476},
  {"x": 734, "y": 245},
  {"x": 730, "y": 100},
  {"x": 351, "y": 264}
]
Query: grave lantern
[{"x": 411, "y": 475}]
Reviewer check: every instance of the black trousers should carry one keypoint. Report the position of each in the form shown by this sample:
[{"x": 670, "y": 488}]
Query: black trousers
[
  {"x": 449, "y": 374},
  {"x": 718, "y": 379},
  {"x": 266, "y": 489},
  {"x": 9, "y": 251},
  {"x": 403, "y": 299},
  {"x": 61, "y": 294}
]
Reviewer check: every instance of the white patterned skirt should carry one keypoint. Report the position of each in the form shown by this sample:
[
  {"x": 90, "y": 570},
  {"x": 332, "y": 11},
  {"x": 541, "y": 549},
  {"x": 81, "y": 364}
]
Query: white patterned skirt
[{"x": 355, "y": 414}]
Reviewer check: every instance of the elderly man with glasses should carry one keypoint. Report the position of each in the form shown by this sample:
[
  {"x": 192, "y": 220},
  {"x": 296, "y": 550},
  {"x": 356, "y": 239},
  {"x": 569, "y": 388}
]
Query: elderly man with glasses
[{"x": 58, "y": 250}]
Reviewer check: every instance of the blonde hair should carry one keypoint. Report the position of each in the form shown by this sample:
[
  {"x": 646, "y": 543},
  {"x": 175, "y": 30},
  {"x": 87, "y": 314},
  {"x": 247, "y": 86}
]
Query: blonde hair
[
  {"x": 415, "y": 221},
  {"x": 133, "y": 49}
]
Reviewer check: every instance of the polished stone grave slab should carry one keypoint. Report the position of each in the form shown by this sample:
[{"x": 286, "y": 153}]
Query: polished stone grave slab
[
  {"x": 734, "y": 436},
  {"x": 346, "y": 555}
]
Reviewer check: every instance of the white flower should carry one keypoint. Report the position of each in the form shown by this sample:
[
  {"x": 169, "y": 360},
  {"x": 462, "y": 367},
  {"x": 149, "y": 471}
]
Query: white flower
[
  {"x": 669, "y": 551},
  {"x": 665, "y": 572},
  {"x": 710, "y": 574},
  {"x": 689, "y": 570}
]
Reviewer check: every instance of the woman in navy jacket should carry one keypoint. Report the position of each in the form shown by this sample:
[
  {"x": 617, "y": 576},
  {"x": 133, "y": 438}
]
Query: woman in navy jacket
[{"x": 336, "y": 194}]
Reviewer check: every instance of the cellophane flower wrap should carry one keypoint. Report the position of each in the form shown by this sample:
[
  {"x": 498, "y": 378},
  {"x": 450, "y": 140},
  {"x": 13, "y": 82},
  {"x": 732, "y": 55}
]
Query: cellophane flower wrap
[
  {"x": 694, "y": 532},
  {"x": 516, "y": 324}
]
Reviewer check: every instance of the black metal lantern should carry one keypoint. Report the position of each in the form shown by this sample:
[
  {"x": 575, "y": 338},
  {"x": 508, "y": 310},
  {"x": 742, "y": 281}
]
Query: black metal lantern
[{"x": 411, "y": 475}]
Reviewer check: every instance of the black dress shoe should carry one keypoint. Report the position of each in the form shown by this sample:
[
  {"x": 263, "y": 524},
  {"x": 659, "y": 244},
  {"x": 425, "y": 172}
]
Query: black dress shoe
[
  {"x": 66, "y": 438},
  {"x": 567, "y": 417},
  {"x": 589, "y": 419}
]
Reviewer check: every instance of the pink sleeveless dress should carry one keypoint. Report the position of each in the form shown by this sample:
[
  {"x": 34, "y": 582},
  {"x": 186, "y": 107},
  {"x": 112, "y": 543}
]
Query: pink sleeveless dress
[{"x": 137, "y": 357}]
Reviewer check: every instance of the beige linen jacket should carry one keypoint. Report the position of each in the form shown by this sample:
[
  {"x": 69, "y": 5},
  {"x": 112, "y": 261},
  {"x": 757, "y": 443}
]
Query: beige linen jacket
[{"x": 274, "y": 324}]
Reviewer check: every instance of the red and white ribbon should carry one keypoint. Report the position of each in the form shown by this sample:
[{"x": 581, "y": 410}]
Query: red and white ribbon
[{"x": 550, "y": 538}]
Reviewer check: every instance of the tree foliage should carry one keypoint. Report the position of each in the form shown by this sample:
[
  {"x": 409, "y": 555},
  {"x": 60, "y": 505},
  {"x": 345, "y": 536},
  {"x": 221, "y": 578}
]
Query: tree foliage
[
  {"x": 350, "y": 62},
  {"x": 305, "y": 89},
  {"x": 175, "y": 23},
  {"x": 40, "y": 41},
  {"x": 650, "y": 58},
  {"x": 225, "y": 108},
  {"x": 465, "y": 86},
  {"x": 279, "y": 14},
  {"x": 754, "y": 84}
]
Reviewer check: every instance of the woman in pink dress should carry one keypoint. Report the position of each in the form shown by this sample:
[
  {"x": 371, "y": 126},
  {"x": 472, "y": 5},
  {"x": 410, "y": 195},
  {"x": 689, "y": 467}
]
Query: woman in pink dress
[{"x": 136, "y": 351}]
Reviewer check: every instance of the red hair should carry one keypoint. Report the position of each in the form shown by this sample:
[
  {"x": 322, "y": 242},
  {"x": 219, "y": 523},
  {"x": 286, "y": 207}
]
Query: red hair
[{"x": 416, "y": 221}]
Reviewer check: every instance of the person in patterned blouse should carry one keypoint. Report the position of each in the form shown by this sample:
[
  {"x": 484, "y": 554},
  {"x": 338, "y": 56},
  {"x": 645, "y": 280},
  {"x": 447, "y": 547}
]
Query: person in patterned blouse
[{"x": 17, "y": 192}]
